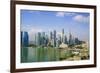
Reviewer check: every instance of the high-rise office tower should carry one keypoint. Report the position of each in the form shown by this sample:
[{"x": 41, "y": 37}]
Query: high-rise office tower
[
  {"x": 24, "y": 39},
  {"x": 21, "y": 38},
  {"x": 46, "y": 40},
  {"x": 62, "y": 35},
  {"x": 59, "y": 39},
  {"x": 65, "y": 39},
  {"x": 76, "y": 41},
  {"x": 39, "y": 38},
  {"x": 63, "y": 31},
  {"x": 70, "y": 39},
  {"x": 54, "y": 38},
  {"x": 43, "y": 39},
  {"x": 50, "y": 39},
  {"x": 51, "y": 35}
]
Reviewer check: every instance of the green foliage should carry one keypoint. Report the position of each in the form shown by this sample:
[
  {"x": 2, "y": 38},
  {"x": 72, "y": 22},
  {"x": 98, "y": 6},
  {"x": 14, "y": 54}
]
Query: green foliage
[
  {"x": 79, "y": 47},
  {"x": 32, "y": 45}
]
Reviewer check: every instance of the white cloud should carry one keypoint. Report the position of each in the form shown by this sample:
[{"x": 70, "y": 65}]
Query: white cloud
[
  {"x": 81, "y": 18},
  {"x": 70, "y": 13},
  {"x": 33, "y": 11},
  {"x": 76, "y": 17},
  {"x": 62, "y": 14}
]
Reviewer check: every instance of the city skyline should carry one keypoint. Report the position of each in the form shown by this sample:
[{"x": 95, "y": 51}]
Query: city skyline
[
  {"x": 52, "y": 47},
  {"x": 47, "y": 21},
  {"x": 43, "y": 39}
]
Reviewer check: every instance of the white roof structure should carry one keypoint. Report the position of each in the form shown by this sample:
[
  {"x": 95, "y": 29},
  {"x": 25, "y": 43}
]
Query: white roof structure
[{"x": 63, "y": 45}]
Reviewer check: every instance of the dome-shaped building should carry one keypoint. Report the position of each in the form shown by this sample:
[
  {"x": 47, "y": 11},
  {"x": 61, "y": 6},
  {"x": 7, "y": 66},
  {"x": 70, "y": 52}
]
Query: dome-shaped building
[{"x": 63, "y": 45}]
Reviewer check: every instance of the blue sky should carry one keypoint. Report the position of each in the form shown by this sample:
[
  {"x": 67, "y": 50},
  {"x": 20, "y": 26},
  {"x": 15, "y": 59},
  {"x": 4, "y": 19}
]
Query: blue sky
[{"x": 45, "y": 21}]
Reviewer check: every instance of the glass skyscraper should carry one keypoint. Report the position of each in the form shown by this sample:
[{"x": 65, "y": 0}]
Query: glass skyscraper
[
  {"x": 24, "y": 39},
  {"x": 62, "y": 35},
  {"x": 70, "y": 39},
  {"x": 54, "y": 38}
]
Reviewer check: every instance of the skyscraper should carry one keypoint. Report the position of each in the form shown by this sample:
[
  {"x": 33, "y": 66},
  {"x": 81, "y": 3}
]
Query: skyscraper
[
  {"x": 21, "y": 38},
  {"x": 39, "y": 39},
  {"x": 60, "y": 39},
  {"x": 62, "y": 35},
  {"x": 24, "y": 39},
  {"x": 46, "y": 40},
  {"x": 54, "y": 38},
  {"x": 76, "y": 41},
  {"x": 65, "y": 39},
  {"x": 43, "y": 39},
  {"x": 51, "y": 35},
  {"x": 70, "y": 39}
]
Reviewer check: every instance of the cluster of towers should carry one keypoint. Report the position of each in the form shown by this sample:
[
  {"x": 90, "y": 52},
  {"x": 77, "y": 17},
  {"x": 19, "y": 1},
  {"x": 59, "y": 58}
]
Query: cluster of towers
[{"x": 52, "y": 39}]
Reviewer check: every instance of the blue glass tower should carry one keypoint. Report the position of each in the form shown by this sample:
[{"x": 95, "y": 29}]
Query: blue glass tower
[
  {"x": 21, "y": 38},
  {"x": 39, "y": 39},
  {"x": 24, "y": 39}
]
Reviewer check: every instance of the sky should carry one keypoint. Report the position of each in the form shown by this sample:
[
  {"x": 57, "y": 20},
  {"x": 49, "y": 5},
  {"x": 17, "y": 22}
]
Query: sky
[{"x": 44, "y": 21}]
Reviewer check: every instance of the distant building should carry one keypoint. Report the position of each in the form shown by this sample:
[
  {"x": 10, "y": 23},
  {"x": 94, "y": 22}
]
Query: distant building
[
  {"x": 46, "y": 40},
  {"x": 39, "y": 39},
  {"x": 43, "y": 39},
  {"x": 54, "y": 38},
  {"x": 63, "y": 46},
  {"x": 24, "y": 39},
  {"x": 65, "y": 39},
  {"x": 63, "y": 36},
  {"x": 76, "y": 41},
  {"x": 51, "y": 36},
  {"x": 59, "y": 40},
  {"x": 21, "y": 38},
  {"x": 70, "y": 39}
]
